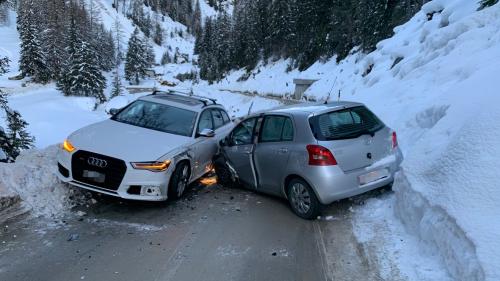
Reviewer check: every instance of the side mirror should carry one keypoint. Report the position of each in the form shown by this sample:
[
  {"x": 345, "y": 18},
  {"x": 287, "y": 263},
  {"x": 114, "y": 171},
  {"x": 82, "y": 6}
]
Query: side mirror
[
  {"x": 224, "y": 142},
  {"x": 113, "y": 111},
  {"x": 208, "y": 133}
]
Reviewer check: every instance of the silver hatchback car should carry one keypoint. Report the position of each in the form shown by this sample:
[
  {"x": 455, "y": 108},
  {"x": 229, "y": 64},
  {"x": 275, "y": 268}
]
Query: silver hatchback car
[{"x": 311, "y": 154}]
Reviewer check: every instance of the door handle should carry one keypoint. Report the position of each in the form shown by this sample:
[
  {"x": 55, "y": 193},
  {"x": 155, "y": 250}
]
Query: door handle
[{"x": 283, "y": 150}]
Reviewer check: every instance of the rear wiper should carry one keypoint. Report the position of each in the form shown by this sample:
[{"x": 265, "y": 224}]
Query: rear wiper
[{"x": 353, "y": 135}]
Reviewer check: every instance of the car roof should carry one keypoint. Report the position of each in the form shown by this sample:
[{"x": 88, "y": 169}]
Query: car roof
[
  {"x": 181, "y": 100},
  {"x": 308, "y": 109}
]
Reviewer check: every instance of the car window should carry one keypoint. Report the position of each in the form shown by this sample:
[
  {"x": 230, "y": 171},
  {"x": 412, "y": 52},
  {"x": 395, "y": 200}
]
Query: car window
[
  {"x": 287, "y": 134},
  {"x": 276, "y": 128},
  {"x": 243, "y": 133},
  {"x": 225, "y": 116},
  {"x": 206, "y": 121},
  {"x": 159, "y": 117},
  {"x": 218, "y": 119},
  {"x": 345, "y": 124}
]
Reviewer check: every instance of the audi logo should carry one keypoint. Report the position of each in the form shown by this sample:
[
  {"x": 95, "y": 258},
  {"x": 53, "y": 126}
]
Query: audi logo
[{"x": 96, "y": 162}]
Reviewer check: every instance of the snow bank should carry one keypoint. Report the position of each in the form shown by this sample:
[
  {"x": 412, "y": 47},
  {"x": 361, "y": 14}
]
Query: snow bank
[
  {"x": 33, "y": 179},
  {"x": 382, "y": 235},
  {"x": 436, "y": 83}
]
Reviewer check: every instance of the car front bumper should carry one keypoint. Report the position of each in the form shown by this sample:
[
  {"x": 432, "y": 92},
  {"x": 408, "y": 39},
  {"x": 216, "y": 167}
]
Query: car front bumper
[{"x": 136, "y": 184}]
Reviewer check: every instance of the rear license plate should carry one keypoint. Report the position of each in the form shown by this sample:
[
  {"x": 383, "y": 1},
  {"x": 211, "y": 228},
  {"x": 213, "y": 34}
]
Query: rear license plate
[
  {"x": 94, "y": 176},
  {"x": 373, "y": 176}
]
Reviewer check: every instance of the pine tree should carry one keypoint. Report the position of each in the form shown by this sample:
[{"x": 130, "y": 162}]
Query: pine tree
[
  {"x": 341, "y": 36},
  {"x": 150, "y": 53},
  {"x": 85, "y": 77},
  {"x": 197, "y": 27},
  {"x": 136, "y": 60},
  {"x": 53, "y": 37},
  {"x": 117, "y": 85},
  {"x": 73, "y": 40},
  {"x": 117, "y": 81},
  {"x": 4, "y": 65},
  {"x": 166, "y": 59},
  {"x": 158, "y": 34},
  {"x": 280, "y": 27},
  {"x": 32, "y": 61},
  {"x": 18, "y": 138}
]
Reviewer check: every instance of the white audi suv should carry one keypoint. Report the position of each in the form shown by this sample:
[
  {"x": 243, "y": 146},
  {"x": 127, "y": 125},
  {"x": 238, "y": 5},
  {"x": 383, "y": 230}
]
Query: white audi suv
[{"x": 149, "y": 150}]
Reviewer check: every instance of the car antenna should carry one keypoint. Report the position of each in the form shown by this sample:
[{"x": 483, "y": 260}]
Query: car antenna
[
  {"x": 250, "y": 109},
  {"x": 330, "y": 92},
  {"x": 339, "y": 95}
]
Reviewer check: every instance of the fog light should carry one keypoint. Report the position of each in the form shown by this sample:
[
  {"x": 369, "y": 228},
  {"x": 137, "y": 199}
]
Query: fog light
[{"x": 150, "y": 190}]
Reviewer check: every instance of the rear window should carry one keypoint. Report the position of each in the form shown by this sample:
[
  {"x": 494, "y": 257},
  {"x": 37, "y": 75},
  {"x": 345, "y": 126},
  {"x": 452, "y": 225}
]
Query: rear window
[{"x": 345, "y": 124}]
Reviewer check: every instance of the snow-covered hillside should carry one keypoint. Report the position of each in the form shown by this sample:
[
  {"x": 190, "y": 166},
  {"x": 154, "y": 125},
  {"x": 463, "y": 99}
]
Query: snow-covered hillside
[{"x": 436, "y": 83}]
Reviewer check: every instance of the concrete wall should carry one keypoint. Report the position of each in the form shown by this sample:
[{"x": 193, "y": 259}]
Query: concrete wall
[{"x": 301, "y": 86}]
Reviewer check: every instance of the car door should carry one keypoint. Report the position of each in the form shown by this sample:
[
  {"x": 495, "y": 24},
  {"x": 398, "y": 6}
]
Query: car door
[
  {"x": 222, "y": 124},
  {"x": 272, "y": 152},
  {"x": 204, "y": 147},
  {"x": 239, "y": 151}
]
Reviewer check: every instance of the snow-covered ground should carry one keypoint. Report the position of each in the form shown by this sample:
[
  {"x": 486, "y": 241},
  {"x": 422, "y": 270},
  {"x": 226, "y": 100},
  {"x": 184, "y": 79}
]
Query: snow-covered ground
[
  {"x": 394, "y": 251},
  {"x": 434, "y": 82}
]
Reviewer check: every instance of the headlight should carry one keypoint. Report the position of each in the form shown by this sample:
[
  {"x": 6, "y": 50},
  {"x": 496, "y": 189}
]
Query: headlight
[
  {"x": 155, "y": 166},
  {"x": 68, "y": 146}
]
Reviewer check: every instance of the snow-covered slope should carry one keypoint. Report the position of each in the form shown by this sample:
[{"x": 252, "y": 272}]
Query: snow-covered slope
[
  {"x": 51, "y": 115},
  {"x": 436, "y": 82}
]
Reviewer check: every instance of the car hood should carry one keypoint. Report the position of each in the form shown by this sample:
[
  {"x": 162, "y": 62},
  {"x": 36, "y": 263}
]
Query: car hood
[{"x": 126, "y": 142}]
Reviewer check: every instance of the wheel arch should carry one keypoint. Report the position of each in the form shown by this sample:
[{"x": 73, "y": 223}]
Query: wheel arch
[{"x": 291, "y": 177}]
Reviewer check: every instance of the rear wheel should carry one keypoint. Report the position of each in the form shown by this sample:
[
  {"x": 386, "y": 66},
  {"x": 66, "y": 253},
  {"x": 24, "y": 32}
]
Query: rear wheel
[
  {"x": 303, "y": 200},
  {"x": 179, "y": 181},
  {"x": 224, "y": 175}
]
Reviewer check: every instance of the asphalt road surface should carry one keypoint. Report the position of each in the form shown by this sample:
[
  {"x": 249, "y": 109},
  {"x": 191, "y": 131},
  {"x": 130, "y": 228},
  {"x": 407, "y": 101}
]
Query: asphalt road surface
[{"x": 213, "y": 233}]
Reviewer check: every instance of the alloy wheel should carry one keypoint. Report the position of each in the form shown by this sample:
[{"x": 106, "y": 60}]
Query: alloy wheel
[
  {"x": 300, "y": 197},
  {"x": 183, "y": 181}
]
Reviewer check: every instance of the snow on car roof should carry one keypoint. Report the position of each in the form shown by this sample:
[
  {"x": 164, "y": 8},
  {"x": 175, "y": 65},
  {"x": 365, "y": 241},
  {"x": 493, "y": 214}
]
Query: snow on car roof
[{"x": 314, "y": 107}]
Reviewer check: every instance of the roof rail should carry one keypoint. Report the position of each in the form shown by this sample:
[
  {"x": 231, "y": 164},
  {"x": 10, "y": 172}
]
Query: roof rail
[{"x": 203, "y": 99}]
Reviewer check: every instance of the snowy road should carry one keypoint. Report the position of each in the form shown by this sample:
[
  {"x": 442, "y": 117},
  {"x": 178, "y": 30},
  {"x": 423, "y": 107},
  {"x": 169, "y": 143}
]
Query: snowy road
[{"x": 213, "y": 234}]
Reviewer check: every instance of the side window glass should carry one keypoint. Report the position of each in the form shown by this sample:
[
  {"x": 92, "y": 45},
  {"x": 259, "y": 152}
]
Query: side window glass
[
  {"x": 218, "y": 119},
  {"x": 205, "y": 121},
  {"x": 287, "y": 130},
  {"x": 225, "y": 116},
  {"x": 243, "y": 133},
  {"x": 355, "y": 117},
  {"x": 272, "y": 129}
]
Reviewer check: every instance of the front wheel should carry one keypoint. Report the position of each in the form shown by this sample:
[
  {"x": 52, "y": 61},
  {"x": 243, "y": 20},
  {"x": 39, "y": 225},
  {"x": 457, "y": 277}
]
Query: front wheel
[
  {"x": 179, "y": 181},
  {"x": 303, "y": 200},
  {"x": 224, "y": 175}
]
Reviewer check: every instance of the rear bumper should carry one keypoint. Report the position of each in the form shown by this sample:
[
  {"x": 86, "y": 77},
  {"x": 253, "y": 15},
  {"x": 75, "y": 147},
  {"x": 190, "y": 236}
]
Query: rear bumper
[
  {"x": 331, "y": 184},
  {"x": 132, "y": 179}
]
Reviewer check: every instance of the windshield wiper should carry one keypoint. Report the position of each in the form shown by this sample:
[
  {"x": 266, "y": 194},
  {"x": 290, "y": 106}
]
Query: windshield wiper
[{"x": 352, "y": 135}]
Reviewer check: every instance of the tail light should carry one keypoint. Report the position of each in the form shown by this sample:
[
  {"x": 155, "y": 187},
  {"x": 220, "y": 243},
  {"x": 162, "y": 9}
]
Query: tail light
[
  {"x": 394, "y": 140},
  {"x": 320, "y": 156}
]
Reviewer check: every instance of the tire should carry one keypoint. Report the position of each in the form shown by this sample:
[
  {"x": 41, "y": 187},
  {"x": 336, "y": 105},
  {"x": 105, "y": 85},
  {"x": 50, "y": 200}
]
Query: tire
[
  {"x": 224, "y": 176},
  {"x": 179, "y": 181},
  {"x": 303, "y": 200}
]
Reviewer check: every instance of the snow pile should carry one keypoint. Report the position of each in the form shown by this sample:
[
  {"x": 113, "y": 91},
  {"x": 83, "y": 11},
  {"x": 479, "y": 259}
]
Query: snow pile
[
  {"x": 449, "y": 191},
  {"x": 436, "y": 83},
  {"x": 33, "y": 179},
  {"x": 382, "y": 235}
]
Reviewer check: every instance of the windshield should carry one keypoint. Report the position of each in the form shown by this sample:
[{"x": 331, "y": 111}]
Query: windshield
[
  {"x": 345, "y": 124},
  {"x": 159, "y": 117}
]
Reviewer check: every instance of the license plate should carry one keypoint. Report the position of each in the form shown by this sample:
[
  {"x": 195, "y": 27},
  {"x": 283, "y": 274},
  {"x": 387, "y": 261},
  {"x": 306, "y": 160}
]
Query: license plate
[
  {"x": 373, "y": 176},
  {"x": 94, "y": 176}
]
